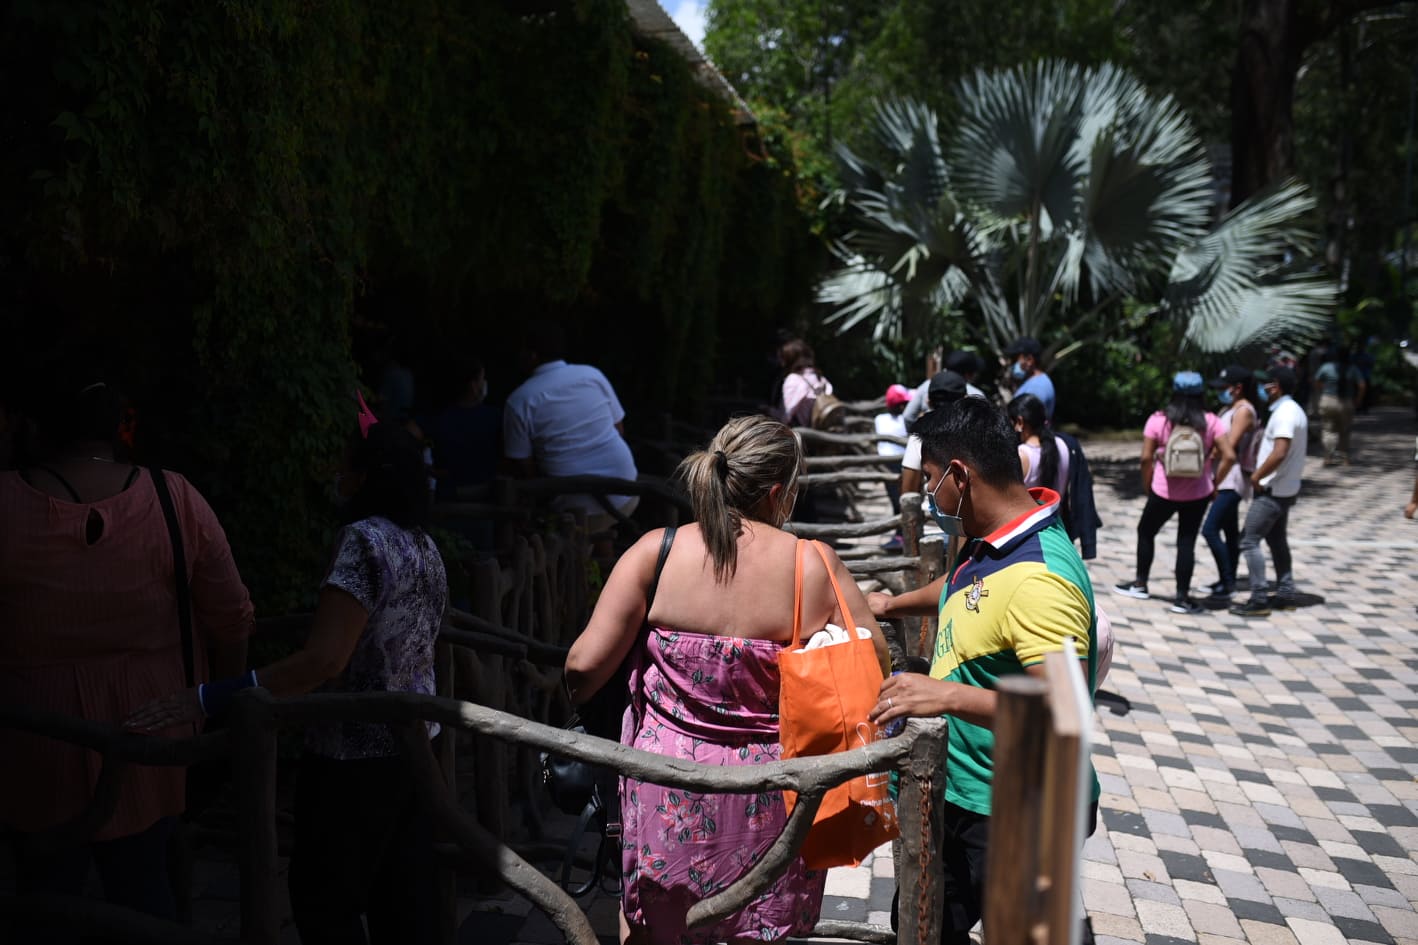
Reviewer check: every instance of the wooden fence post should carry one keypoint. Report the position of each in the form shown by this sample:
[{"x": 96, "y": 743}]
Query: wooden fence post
[
  {"x": 918, "y": 805},
  {"x": 254, "y": 773},
  {"x": 930, "y": 565},
  {"x": 1013, "y": 900},
  {"x": 447, "y": 877},
  {"x": 913, "y": 525}
]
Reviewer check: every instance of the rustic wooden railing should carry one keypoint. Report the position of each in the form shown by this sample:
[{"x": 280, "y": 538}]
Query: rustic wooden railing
[
  {"x": 1042, "y": 740},
  {"x": 251, "y": 739}
]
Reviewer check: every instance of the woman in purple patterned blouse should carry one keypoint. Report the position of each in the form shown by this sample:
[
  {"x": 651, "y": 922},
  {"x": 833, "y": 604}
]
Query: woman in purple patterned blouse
[{"x": 363, "y": 849}]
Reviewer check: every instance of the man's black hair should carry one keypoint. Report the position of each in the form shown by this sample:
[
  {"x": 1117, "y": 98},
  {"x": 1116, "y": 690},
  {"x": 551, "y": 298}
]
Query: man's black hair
[{"x": 978, "y": 434}]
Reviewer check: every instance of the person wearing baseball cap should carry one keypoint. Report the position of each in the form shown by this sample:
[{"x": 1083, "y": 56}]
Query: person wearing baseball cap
[
  {"x": 967, "y": 365},
  {"x": 1029, "y": 375},
  {"x": 945, "y": 388},
  {"x": 1179, "y": 477},
  {"x": 892, "y": 423},
  {"x": 962, "y": 362},
  {"x": 1236, "y": 389},
  {"x": 1280, "y": 463}
]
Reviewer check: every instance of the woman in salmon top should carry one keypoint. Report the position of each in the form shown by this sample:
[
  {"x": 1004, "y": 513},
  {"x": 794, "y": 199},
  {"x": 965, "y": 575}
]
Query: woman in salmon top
[
  {"x": 704, "y": 685},
  {"x": 89, "y": 627}
]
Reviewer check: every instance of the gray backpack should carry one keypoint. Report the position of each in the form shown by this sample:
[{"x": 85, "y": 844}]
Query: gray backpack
[{"x": 1184, "y": 456}]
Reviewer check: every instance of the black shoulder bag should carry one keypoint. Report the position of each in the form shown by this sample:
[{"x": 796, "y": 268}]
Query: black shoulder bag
[
  {"x": 593, "y": 791},
  {"x": 204, "y": 779}
]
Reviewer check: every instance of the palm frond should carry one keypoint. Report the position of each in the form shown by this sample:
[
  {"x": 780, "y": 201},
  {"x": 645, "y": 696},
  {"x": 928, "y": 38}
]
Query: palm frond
[
  {"x": 1014, "y": 145},
  {"x": 1235, "y": 287},
  {"x": 860, "y": 292},
  {"x": 1062, "y": 185}
]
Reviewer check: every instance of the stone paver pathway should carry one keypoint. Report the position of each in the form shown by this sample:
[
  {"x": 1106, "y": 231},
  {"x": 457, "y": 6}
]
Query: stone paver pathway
[{"x": 1259, "y": 774}]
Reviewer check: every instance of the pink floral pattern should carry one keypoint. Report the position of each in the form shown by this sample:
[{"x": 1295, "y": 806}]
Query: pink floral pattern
[{"x": 713, "y": 700}]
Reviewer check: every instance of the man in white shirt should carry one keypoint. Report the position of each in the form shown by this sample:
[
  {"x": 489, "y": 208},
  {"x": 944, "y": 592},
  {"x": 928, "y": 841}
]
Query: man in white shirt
[
  {"x": 565, "y": 420},
  {"x": 1276, "y": 480}
]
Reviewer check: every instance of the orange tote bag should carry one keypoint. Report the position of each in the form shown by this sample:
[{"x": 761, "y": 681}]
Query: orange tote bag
[{"x": 825, "y": 696}]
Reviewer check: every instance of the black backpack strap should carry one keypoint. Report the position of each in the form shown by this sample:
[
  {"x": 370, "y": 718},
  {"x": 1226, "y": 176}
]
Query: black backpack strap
[{"x": 179, "y": 567}]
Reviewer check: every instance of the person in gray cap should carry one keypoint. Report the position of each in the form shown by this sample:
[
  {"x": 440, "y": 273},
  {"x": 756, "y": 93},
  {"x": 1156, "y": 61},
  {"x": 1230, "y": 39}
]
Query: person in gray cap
[
  {"x": 1276, "y": 480},
  {"x": 1028, "y": 373}
]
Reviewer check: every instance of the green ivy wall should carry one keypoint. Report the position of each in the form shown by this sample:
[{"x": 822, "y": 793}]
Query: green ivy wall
[{"x": 220, "y": 192}]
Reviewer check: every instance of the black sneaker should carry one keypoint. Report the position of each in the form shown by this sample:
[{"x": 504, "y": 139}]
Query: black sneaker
[
  {"x": 1185, "y": 605},
  {"x": 1221, "y": 589},
  {"x": 1132, "y": 589},
  {"x": 1251, "y": 608}
]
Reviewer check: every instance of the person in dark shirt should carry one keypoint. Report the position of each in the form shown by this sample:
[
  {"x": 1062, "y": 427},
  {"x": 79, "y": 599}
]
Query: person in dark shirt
[{"x": 465, "y": 435}]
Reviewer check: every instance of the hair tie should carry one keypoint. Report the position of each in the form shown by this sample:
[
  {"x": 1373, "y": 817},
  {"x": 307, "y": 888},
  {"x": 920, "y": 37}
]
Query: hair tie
[{"x": 721, "y": 464}]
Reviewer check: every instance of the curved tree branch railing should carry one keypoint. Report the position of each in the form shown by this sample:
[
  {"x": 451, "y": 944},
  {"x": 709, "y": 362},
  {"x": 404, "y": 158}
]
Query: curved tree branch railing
[{"x": 253, "y": 739}]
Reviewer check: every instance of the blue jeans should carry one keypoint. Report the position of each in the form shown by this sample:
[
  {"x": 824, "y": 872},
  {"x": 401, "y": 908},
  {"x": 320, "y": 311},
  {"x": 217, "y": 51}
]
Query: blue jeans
[
  {"x": 1223, "y": 534},
  {"x": 1266, "y": 519}
]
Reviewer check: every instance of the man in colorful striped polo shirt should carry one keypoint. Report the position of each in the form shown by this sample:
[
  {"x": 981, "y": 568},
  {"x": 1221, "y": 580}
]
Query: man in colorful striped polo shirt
[{"x": 1017, "y": 591}]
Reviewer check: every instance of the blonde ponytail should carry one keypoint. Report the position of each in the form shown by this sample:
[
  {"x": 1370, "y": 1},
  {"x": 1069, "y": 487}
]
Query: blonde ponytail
[{"x": 730, "y": 478}]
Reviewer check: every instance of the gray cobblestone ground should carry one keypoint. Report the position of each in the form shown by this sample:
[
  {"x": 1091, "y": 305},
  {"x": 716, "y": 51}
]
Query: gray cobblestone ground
[{"x": 1258, "y": 775}]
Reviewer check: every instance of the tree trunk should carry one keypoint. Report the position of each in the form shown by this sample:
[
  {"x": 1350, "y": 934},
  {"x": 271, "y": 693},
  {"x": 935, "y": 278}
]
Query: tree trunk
[
  {"x": 1263, "y": 96},
  {"x": 1274, "y": 37}
]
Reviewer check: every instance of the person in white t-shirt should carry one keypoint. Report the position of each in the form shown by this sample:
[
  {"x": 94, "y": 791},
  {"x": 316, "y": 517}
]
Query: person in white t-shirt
[
  {"x": 1276, "y": 481},
  {"x": 892, "y": 423},
  {"x": 565, "y": 420}
]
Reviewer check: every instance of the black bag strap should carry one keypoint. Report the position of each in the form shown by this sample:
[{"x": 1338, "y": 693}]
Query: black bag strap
[
  {"x": 179, "y": 567},
  {"x": 665, "y": 543}
]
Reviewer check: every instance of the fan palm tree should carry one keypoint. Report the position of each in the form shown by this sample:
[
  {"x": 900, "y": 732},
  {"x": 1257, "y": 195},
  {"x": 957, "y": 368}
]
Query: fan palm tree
[{"x": 1062, "y": 191}]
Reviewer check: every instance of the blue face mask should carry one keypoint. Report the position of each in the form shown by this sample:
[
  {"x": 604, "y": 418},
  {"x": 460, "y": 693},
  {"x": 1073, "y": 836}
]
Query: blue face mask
[
  {"x": 1018, "y": 371},
  {"x": 1226, "y": 397},
  {"x": 952, "y": 525},
  {"x": 1263, "y": 394}
]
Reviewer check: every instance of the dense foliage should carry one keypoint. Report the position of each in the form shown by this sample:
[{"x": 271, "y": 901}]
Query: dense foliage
[
  {"x": 235, "y": 198},
  {"x": 1050, "y": 195},
  {"x": 827, "y": 64}
]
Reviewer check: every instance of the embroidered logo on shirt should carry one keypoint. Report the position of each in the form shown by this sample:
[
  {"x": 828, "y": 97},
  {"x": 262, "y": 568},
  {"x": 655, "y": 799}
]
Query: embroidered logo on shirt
[
  {"x": 977, "y": 590},
  {"x": 945, "y": 639}
]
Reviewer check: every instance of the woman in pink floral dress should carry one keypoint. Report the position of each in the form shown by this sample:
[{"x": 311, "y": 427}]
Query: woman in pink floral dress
[{"x": 702, "y": 647}]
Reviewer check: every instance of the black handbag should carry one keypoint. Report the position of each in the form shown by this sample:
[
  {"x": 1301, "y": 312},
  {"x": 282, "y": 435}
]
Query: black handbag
[{"x": 591, "y": 791}]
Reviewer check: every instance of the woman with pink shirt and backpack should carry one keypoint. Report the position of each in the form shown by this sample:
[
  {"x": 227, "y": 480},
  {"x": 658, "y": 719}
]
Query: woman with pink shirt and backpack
[{"x": 1185, "y": 452}]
